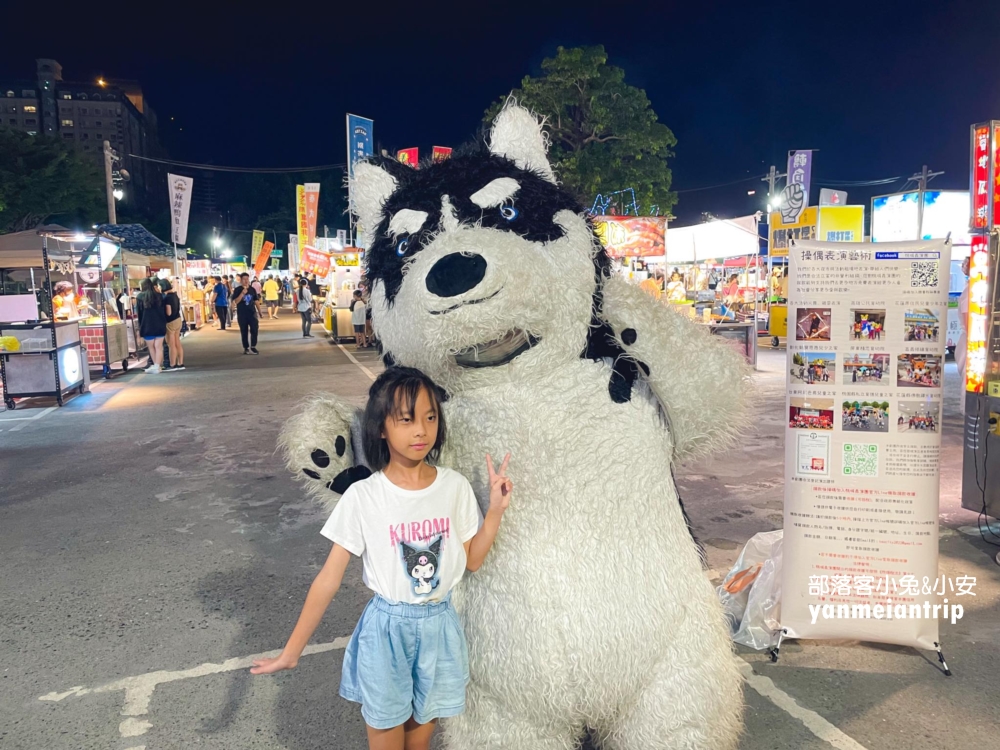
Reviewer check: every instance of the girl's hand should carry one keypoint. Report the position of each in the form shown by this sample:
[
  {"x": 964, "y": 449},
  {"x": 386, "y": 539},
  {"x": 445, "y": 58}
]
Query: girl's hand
[
  {"x": 500, "y": 486},
  {"x": 270, "y": 666}
]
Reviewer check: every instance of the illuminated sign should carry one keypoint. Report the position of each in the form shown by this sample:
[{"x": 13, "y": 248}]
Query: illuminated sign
[
  {"x": 896, "y": 218},
  {"x": 946, "y": 212},
  {"x": 979, "y": 288},
  {"x": 981, "y": 193}
]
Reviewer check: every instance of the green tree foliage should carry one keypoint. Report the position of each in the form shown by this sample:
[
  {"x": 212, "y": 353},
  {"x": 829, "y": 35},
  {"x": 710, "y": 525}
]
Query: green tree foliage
[
  {"x": 604, "y": 133},
  {"x": 798, "y": 359},
  {"x": 42, "y": 176}
]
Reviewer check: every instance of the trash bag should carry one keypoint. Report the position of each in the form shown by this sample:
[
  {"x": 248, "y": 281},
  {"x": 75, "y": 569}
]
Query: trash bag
[{"x": 751, "y": 593}]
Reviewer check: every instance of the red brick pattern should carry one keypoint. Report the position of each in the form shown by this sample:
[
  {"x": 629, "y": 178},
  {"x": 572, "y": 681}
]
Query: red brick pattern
[{"x": 93, "y": 340}]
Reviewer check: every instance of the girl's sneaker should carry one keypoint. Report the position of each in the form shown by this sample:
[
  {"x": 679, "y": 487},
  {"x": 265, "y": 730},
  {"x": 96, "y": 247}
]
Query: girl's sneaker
[{"x": 153, "y": 370}]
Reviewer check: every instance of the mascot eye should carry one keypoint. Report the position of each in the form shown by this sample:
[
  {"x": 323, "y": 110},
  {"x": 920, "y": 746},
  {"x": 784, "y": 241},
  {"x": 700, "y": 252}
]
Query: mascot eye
[
  {"x": 402, "y": 245},
  {"x": 509, "y": 212}
]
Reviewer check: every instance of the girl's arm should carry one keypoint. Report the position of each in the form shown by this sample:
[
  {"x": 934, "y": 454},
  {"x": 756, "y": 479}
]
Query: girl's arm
[
  {"x": 479, "y": 546},
  {"x": 321, "y": 593}
]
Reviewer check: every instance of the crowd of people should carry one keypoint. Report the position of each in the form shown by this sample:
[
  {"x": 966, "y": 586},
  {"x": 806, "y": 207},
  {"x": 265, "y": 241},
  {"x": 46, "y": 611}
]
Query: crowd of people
[
  {"x": 925, "y": 422},
  {"x": 864, "y": 418},
  {"x": 868, "y": 329},
  {"x": 866, "y": 374},
  {"x": 812, "y": 374}
]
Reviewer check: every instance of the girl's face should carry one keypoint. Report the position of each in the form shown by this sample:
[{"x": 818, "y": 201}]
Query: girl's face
[{"x": 411, "y": 436}]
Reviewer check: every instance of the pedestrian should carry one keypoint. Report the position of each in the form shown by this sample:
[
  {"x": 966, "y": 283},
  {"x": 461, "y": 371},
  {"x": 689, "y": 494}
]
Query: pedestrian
[
  {"x": 257, "y": 286},
  {"x": 305, "y": 308},
  {"x": 271, "y": 294},
  {"x": 246, "y": 300},
  {"x": 286, "y": 287},
  {"x": 358, "y": 310},
  {"x": 153, "y": 324},
  {"x": 172, "y": 304},
  {"x": 407, "y": 661},
  {"x": 315, "y": 292},
  {"x": 220, "y": 299}
]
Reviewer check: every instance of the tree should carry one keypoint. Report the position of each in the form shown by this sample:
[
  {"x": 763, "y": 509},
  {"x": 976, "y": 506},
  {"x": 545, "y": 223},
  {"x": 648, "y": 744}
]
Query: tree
[
  {"x": 604, "y": 133},
  {"x": 41, "y": 176},
  {"x": 798, "y": 359}
]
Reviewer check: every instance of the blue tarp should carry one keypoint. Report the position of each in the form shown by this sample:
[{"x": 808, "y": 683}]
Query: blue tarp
[{"x": 136, "y": 239}]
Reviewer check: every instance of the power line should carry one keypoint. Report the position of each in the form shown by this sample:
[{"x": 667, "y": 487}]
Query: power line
[
  {"x": 859, "y": 183},
  {"x": 722, "y": 184},
  {"x": 246, "y": 170}
]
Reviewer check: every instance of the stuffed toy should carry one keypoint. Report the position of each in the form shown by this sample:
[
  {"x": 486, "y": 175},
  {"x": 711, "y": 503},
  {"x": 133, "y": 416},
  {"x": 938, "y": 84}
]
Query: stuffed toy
[{"x": 592, "y": 615}]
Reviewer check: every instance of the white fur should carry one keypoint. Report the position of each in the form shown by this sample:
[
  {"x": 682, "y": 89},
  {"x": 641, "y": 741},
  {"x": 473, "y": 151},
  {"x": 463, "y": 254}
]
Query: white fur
[
  {"x": 517, "y": 134},
  {"x": 591, "y": 610},
  {"x": 370, "y": 188},
  {"x": 406, "y": 221},
  {"x": 495, "y": 193}
]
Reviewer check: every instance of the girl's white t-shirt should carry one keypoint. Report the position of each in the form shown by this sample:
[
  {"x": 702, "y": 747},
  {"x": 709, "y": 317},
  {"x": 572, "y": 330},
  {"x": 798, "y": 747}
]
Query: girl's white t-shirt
[{"x": 411, "y": 541}]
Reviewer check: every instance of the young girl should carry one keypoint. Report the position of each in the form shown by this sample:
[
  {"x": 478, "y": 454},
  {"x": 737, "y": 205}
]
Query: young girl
[{"x": 417, "y": 529}]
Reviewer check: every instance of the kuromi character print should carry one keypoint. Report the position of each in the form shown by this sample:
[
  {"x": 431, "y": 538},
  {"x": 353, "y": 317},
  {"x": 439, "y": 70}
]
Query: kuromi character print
[{"x": 422, "y": 566}]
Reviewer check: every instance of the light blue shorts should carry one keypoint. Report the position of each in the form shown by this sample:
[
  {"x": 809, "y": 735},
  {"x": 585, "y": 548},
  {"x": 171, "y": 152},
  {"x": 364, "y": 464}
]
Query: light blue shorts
[{"x": 406, "y": 660}]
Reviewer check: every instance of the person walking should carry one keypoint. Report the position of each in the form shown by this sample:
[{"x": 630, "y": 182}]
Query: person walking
[
  {"x": 305, "y": 308},
  {"x": 271, "y": 297},
  {"x": 220, "y": 298},
  {"x": 246, "y": 300},
  {"x": 153, "y": 324},
  {"x": 172, "y": 304},
  {"x": 358, "y": 310}
]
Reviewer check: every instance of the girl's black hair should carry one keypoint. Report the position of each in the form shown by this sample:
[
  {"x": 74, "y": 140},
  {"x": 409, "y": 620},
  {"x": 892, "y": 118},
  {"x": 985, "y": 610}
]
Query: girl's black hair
[
  {"x": 394, "y": 394},
  {"x": 150, "y": 295}
]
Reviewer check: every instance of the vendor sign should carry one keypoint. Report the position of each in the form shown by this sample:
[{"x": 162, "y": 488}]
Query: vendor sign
[
  {"x": 841, "y": 224},
  {"x": 199, "y": 267},
  {"x": 409, "y": 156},
  {"x": 440, "y": 153},
  {"x": 632, "y": 236},
  {"x": 780, "y": 235},
  {"x": 347, "y": 259},
  {"x": 314, "y": 261},
  {"x": 265, "y": 254},
  {"x": 256, "y": 245}
]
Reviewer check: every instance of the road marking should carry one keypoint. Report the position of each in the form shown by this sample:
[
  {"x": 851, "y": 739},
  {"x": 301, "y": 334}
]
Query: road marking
[
  {"x": 815, "y": 723},
  {"x": 139, "y": 689},
  {"x": 32, "y": 419},
  {"x": 350, "y": 356}
]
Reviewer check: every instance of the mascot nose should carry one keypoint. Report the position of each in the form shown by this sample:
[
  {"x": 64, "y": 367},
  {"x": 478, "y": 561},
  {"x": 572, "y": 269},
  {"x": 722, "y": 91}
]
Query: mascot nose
[{"x": 456, "y": 274}]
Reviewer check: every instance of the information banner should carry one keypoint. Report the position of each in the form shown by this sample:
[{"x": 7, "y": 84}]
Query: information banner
[
  {"x": 256, "y": 245},
  {"x": 409, "y": 156},
  {"x": 312, "y": 211},
  {"x": 261, "y": 262},
  {"x": 293, "y": 253},
  {"x": 180, "y": 206},
  {"x": 314, "y": 261},
  {"x": 359, "y": 140},
  {"x": 863, "y": 440},
  {"x": 633, "y": 236},
  {"x": 440, "y": 153}
]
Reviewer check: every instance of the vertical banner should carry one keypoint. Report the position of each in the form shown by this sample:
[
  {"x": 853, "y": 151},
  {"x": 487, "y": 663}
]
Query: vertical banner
[
  {"x": 408, "y": 156},
  {"x": 863, "y": 440},
  {"x": 359, "y": 140},
  {"x": 293, "y": 253},
  {"x": 312, "y": 211},
  {"x": 256, "y": 245},
  {"x": 800, "y": 170},
  {"x": 979, "y": 309},
  {"x": 261, "y": 261},
  {"x": 980, "y": 188},
  {"x": 440, "y": 153},
  {"x": 180, "y": 206}
]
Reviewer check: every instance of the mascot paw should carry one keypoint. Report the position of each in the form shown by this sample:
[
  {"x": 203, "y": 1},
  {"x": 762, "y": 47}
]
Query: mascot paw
[{"x": 317, "y": 446}]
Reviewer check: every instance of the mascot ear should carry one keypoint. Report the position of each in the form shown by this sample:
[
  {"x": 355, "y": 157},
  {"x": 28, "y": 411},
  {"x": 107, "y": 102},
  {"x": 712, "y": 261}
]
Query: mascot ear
[
  {"x": 374, "y": 181},
  {"x": 517, "y": 135}
]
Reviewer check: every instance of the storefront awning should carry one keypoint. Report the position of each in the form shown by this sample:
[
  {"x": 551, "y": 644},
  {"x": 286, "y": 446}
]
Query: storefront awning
[
  {"x": 135, "y": 238},
  {"x": 729, "y": 238}
]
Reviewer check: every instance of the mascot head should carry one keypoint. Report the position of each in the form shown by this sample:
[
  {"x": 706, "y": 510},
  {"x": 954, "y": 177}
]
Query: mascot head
[{"x": 481, "y": 266}]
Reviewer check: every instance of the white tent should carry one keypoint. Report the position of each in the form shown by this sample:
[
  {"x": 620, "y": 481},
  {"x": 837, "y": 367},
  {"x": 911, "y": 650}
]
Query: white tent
[
  {"x": 728, "y": 238},
  {"x": 24, "y": 249}
]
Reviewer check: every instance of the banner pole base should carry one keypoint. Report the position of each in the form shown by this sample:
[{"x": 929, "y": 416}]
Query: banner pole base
[
  {"x": 944, "y": 664},
  {"x": 776, "y": 650}
]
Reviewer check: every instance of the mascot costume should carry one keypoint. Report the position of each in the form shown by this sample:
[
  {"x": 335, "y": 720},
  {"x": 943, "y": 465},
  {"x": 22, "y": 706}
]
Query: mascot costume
[{"x": 592, "y": 614}]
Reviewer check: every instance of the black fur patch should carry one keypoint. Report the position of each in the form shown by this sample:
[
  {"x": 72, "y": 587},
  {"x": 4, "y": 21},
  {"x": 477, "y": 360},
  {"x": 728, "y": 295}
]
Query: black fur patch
[
  {"x": 311, "y": 473},
  {"x": 537, "y": 202},
  {"x": 341, "y": 445},
  {"x": 348, "y": 477},
  {"x": 629, "y": 336},
  {"x": 320, "y": 457}
]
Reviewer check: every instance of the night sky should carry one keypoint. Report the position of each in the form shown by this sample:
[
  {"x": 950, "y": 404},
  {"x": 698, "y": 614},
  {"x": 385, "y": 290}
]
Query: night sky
[{"x": 881, "y": 88}]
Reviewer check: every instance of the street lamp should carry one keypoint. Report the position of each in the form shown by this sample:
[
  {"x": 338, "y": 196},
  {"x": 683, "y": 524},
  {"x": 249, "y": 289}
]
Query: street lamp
[
  {"x": 217, "y": 242},
  {"x": 227, "y": 253},
  {"x": 119, "y": 194}
]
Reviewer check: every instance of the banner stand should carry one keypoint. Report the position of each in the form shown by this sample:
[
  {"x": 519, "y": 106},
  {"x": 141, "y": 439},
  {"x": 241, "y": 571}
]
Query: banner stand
[{"x": 864, "y": 383}]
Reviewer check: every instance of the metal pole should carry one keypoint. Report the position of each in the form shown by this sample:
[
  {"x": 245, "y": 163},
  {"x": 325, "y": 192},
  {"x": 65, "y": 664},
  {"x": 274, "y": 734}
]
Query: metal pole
[{"x": 108, "y": 184}]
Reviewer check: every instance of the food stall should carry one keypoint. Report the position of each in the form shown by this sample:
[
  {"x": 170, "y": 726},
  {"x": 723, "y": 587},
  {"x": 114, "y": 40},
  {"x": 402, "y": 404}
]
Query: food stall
[{"x": 341, "y": 275}]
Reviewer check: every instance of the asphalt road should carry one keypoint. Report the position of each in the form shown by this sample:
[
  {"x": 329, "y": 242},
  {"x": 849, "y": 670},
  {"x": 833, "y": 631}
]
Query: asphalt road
[{"x": 149, "y": 532}]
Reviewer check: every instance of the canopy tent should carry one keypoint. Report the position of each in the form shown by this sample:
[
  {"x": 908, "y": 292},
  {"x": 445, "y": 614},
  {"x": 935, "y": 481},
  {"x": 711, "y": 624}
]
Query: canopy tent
[
  {"x": 24, "y": 249},
  {"x": 728, "y": 238},
  {"x": 139, "y": 246}
]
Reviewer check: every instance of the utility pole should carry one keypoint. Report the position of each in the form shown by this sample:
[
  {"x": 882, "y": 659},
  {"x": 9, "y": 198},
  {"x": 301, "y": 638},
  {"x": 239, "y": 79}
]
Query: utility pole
[
  {"x": 922, "y": 178},
  {"x": 772, "y": 177},
  {"x": 109, "y": 158}
]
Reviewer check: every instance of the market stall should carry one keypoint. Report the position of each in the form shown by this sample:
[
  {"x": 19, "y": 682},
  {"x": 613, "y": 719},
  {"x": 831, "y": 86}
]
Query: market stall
[{"x": 343, "y": 277}]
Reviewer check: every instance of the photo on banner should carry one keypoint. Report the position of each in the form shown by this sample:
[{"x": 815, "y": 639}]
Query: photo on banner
[{"x": 865, "y": 442}]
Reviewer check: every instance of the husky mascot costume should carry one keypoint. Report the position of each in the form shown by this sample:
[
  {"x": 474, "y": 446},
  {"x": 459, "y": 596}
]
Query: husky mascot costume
[{"x": 592, "y": 614}]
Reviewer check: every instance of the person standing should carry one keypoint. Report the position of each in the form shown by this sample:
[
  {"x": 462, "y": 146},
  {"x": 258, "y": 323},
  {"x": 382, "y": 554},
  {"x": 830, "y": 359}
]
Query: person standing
[
  {"x": 172, "y": 304},
  {"x": 314, "y": 291},
  {"x": 220, "y": 298},
  {"x": 246, "y": 300},
  {"x": 271, "y": 297},
  {"x": 358, "y": 311},
  {"x": 153, "y": 324},
  {"x": 305, "y": 307}
]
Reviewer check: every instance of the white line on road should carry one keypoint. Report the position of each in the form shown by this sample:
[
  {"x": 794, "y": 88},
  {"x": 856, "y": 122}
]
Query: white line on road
[
  {"x": 815, "y": 723},
  {"x": 32, "y": 419},
  {"x": 350, "y": 356}
]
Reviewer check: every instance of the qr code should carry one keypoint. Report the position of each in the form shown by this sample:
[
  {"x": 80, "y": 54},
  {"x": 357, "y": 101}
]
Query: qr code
[
  {"x": 860, "y": 459},
  {"x": 924, "y": 274}
]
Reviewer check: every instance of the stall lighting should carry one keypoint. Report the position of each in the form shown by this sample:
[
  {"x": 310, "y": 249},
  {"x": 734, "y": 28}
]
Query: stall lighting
[
  {"x": 979, "y": 268},
  {"x": 119, "y": 194}
]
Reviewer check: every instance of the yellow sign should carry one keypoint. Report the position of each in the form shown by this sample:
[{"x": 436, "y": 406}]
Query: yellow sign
[
  {"x": 780, "y": 235},
  {"x": 256, "y": 245},
  {"x": 348, "y": 259},
  {"x": 301, "y": 216},
  {"x": 995, "y": 389},
  {"x": 841, "y": 224}
]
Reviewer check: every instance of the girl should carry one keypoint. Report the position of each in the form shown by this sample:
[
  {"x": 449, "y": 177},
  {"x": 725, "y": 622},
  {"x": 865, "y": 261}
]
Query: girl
[
  {"x": 172, "y": 304},
  {"x": 417, "y": 529},
  {"x": 153, "y": 323},
  {"x": 305, "y": 307}
]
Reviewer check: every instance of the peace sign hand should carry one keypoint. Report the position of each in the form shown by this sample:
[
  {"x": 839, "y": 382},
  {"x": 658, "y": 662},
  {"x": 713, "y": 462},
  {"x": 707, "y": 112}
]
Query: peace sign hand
[{"x": 500, "y": 485}]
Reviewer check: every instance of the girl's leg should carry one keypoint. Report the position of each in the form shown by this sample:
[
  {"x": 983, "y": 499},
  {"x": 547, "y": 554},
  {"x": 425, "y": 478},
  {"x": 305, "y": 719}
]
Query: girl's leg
[
  {"x": 173, "y": 347},
  {"x": 157, "y": 346},
  {"x": 176, "y": 346},
  {"x": 386, "y": 739},
  {"x": 418, "y": 736}
]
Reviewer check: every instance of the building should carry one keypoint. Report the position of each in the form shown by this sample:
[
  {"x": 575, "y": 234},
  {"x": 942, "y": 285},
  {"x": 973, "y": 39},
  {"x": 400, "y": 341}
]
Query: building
[{"x": 87, "y": 114}]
